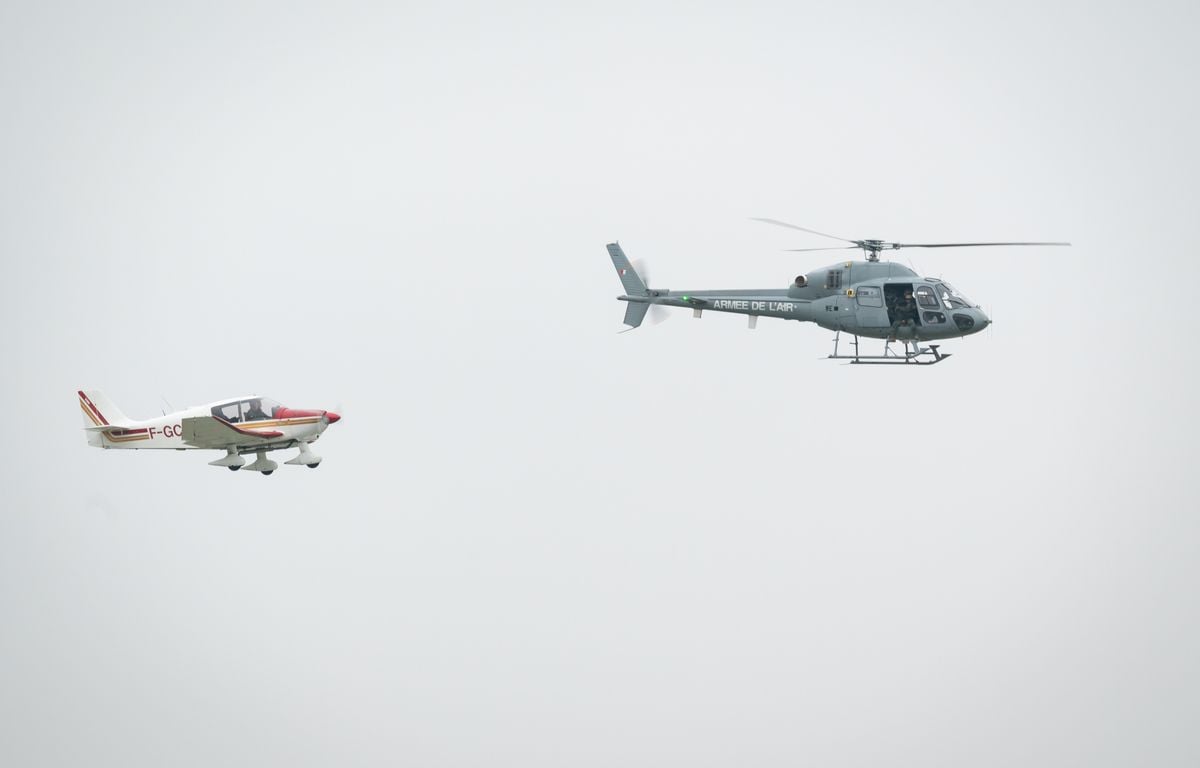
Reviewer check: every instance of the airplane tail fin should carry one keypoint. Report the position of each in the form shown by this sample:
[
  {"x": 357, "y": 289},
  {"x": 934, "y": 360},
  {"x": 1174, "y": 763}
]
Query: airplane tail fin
[
  {"x": 99, "y": 411},
  {"x": 632, "y": 282}
]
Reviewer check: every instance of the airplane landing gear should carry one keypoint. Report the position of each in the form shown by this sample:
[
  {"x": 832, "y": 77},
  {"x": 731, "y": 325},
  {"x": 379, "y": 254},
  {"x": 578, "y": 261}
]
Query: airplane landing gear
[
  {"x": 262, "y": 464},
  {"x": 231, "y": 459},
  {"x": 305, "y": 457}
]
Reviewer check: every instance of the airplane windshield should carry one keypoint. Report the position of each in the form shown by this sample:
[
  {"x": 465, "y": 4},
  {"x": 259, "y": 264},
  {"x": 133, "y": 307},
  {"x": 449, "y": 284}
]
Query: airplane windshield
[
  {"x": 952, "y": 298},
  {"x": 260, "y": 408},
  {"x": 254, "y": 409}
]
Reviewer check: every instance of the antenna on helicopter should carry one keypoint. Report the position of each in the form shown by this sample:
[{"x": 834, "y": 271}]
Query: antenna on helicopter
[{"x": 872, "y": 247}]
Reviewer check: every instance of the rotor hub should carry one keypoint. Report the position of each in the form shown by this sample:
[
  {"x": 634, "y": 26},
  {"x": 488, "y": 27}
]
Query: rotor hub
[{"x": 872, "y": 248}]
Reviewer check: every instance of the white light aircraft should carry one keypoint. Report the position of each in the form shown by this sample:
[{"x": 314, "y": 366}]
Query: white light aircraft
[{"x": 241, "y": 425}]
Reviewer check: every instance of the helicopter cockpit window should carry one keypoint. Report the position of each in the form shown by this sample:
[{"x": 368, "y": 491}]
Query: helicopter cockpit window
[
  {"x": 926, "y": 297},
  {"x": 229, "y": 412},
  {"x": 952, "y": 298},
  {"x": 869, "y": 296}
]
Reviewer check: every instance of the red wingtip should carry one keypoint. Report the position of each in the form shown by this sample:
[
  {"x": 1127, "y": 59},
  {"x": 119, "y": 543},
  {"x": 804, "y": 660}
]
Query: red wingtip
[{"x": 332, "y": 417}]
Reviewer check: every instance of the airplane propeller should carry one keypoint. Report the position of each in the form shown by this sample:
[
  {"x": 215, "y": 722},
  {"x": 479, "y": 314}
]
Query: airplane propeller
[{"x": 873, "y": 247}]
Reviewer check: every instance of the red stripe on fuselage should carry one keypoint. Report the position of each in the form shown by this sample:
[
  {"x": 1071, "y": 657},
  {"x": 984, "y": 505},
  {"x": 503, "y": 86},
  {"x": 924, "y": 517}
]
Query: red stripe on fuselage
[{"x": 94, "y": 409}]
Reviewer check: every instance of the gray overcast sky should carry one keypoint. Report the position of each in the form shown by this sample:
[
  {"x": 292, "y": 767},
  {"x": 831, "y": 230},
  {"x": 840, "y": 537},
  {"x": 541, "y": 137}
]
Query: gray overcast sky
[{"x": 534, "y": 541}]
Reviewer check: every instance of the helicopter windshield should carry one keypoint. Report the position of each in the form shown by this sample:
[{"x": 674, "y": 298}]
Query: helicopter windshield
[{"x": 952, "y": 298}]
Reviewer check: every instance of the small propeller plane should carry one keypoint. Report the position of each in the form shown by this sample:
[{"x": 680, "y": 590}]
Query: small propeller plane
[{"x": 250, "y": 424}]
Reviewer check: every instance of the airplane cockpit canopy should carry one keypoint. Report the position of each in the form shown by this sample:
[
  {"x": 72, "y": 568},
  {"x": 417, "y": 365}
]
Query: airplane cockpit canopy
[{"x": 247, "y": 409}]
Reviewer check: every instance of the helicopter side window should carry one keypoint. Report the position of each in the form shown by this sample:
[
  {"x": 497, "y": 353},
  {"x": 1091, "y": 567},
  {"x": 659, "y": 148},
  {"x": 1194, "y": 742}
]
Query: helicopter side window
[
  {"x": 926, "y": 297},
  {"x": 869, "y": 296}
]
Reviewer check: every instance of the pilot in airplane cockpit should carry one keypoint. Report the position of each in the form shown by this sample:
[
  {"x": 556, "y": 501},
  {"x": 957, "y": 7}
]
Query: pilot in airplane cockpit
[{"x": 255, "y": 411}]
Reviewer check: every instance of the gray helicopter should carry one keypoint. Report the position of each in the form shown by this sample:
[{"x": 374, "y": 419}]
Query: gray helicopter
[{"x": 878, "y": 300}]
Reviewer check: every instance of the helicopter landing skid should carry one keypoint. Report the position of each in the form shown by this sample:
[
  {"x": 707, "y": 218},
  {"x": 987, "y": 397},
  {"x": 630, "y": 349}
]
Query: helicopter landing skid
[{"x": 914, "y": 354}]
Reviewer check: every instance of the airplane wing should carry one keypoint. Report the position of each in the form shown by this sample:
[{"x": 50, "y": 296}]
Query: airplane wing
[{"x": 211, "y": 432}]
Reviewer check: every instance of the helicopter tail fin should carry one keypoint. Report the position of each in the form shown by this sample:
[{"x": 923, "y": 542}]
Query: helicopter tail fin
[{"x": 630, "y": 280}]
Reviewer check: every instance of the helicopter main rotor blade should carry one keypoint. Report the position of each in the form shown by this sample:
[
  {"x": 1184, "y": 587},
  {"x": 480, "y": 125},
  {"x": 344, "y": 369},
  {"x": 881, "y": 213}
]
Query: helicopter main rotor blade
[
  {"x": 959, "y": 245},
  {"x": 778, "y": 223},
  {"x": 831, "y": 248}
]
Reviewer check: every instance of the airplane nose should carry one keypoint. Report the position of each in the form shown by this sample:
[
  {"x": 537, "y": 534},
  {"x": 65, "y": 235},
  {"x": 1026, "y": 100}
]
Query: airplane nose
[{"x": 332, "y": 417}]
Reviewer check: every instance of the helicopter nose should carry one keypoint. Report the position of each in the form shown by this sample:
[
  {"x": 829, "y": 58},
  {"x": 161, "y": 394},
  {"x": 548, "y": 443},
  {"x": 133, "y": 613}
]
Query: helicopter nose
[
  {"x": 984, "y": 320},
  {"x": 332, "y": 417}
]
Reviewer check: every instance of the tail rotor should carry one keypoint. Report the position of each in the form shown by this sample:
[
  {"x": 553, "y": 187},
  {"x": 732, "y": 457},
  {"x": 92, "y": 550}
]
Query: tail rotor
[
  {"x": 639, "y": 297},
  {"x": 657, "y": 314}
]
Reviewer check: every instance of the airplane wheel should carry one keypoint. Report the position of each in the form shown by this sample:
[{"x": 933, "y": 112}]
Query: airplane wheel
[
  {"x": 313, "y": 466},
  {"x": 268, "y": 471},
  {"x": 234, "y": 469}
]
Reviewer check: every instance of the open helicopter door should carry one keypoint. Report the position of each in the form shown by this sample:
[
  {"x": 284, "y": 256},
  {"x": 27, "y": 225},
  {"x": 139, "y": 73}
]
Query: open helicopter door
[{"x": 893, "y": 293}]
